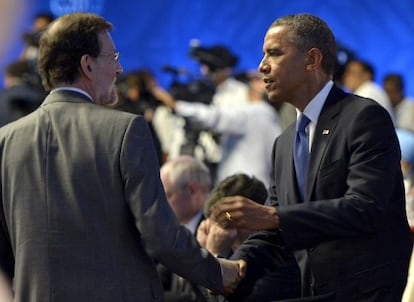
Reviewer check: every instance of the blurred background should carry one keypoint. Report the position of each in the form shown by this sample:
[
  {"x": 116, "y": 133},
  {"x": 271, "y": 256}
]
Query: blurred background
[{"x": 158, "y": 34}]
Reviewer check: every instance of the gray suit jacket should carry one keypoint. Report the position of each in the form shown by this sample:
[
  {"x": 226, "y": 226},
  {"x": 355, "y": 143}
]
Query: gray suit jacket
[{"x": 83, "y": 210}]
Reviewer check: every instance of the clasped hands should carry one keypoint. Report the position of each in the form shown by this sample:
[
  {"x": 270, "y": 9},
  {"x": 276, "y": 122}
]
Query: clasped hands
[{"x": 219, "y": 233}]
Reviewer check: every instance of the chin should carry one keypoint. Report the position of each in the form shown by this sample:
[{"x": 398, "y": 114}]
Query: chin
[
  {"x": 110, "y": 100},
  {"x": 113, "y": 101},
  {"x": 274, "y": 98}
]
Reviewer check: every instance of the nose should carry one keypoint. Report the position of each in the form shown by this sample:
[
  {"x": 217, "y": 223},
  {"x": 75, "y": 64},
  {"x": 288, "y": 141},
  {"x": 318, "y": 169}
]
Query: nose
[
  {"x": 263, "y": 66},
  {"x": 119, "y": 68}
]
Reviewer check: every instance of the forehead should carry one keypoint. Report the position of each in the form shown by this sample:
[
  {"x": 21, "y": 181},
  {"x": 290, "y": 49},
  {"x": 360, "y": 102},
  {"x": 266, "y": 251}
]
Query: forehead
[
  {"x": 277, "y": 35},
  {"x": 354, "y": 66},
  {"x": 105, "y": 41}
]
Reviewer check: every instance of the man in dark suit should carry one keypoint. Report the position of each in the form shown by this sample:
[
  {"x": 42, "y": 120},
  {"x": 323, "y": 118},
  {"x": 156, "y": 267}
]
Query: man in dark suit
[
  {"x": 83, "y": 212},
  {"x": 351, "y": 220}
]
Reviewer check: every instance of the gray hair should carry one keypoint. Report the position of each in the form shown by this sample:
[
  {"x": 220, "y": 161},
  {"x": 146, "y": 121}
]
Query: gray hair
[{"x": 183, "y": 169}]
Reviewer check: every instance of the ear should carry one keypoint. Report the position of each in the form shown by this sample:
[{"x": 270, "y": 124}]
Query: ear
[
  {"x": 314, "y": 59},
  {"x": 86, "y": 64}
]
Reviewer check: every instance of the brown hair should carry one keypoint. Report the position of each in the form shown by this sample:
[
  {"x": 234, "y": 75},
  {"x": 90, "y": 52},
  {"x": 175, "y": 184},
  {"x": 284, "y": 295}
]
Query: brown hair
[{"x": 63, "y": 44}]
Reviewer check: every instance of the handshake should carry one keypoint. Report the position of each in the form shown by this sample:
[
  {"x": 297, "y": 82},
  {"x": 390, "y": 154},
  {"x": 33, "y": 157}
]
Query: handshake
[
  {"x": 230, "y": 222},
  {"x": 232, "y": 271}
]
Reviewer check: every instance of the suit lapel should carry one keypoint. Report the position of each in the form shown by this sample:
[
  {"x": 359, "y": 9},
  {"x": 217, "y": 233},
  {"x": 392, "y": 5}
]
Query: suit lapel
[
  {"x": 289, "y": 155},
  {"x": 324, "y": 131},
  {"x": 287, "y": 188}
]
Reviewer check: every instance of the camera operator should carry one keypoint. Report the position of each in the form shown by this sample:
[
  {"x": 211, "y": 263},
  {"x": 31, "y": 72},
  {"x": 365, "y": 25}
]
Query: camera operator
[
  {"x": 247, "y": 130},
  {"x": 217, "y": 87}
]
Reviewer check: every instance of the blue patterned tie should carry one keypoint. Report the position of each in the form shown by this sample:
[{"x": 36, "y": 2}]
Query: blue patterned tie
[{"x": 301, "y": 154}]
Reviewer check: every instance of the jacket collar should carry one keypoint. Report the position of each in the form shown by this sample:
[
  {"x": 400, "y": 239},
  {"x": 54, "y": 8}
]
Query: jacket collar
[
  {"x": 324, "y": 131},
  {"x": 65, "y": 96}
]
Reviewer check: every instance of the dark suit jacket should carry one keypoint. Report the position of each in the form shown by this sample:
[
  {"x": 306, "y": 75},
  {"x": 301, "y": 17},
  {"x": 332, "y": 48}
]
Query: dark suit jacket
[
  {"x": 83, "y": 210},
  {"x": 353, "y": 221}
]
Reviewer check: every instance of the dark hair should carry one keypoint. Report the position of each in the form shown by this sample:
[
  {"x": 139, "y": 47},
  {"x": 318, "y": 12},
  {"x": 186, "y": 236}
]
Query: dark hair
[
  {"x": 25, "y": 72},
  {"x": 308, "y": 31},
  {"x": 140, "y": 78},
  {"x": 237, "y": 184},
  {"x": 395, "y": 78},
  {"x": 49, "y": 17},
  {"x": 365, "y": 65},
  {"x": 215, "y": 57},
  {"x": 63, "y": 44}
]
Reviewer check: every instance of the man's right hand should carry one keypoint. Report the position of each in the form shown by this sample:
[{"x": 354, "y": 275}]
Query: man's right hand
[
  {"x": 232, "y": 272},
  {"x": 243, "y": 213}
]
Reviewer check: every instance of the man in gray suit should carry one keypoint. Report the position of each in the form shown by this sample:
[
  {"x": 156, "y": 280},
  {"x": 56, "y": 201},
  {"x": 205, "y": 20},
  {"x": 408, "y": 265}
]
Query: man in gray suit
[{"x": 83, "y": 210}]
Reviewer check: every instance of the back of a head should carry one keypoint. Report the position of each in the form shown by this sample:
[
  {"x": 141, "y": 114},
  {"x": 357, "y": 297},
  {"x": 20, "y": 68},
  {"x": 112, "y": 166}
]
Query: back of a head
[
  {"x": 308, "y": 31},
  {"x": 366, "y": 67},
  {"x": 22, "y": 72},
  {"x": 184, "y": 169},
  {"x": 19, "y": 69},
  {"x": 237, "y": 184},
  {"x": 42, "y": 19},
  {"x": 63, "y": 44}
]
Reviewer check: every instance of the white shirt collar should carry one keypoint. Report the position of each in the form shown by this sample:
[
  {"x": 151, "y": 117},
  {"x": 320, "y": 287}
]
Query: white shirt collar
[
  {"x": 314, "y": 108},
  {"x": 193, "y": 223}
]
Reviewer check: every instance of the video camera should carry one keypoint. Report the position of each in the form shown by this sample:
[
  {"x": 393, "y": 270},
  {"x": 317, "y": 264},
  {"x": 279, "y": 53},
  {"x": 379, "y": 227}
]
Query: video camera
[{"x": 214, "y": 57}]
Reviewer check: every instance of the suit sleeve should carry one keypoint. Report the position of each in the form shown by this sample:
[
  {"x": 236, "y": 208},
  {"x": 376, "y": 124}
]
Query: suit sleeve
[{"x": 161, "y": 234}]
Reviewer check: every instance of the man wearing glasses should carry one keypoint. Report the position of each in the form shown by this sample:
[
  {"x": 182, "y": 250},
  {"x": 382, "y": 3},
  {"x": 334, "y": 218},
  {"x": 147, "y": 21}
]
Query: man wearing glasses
[{"x": 83, "y": 210}]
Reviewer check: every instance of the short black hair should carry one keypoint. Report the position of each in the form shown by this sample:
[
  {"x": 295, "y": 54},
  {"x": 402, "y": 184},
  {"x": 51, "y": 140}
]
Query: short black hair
[{"x": 237, "y": 184}]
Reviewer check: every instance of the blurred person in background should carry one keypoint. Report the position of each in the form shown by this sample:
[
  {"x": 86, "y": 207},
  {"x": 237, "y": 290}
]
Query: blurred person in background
[
  {"x": 217, "y": 86},
  {"x": 31, "y": 37},
  {"x": 261, "y": 283},
  {"x": 403, "y": 105},
  {"x": 187, "y": 183},
  {"x": 406, "y": 140},
  {"x": 247, "y": 130},
  {"x": 135, "y": 97},
  {"x": 359, "y": 77},
  {"x": 22, "y": 92}
]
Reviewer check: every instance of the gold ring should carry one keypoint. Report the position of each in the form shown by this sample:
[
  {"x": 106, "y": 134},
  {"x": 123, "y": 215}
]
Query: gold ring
[{"x": 228, "y": 216}]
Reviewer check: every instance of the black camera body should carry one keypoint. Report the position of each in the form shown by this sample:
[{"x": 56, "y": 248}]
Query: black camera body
[{"x": 214, "y": 57}]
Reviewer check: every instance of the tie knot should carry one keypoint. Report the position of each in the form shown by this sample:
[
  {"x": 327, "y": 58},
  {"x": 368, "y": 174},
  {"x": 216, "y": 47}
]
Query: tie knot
[{"x": 303, "y": 122}]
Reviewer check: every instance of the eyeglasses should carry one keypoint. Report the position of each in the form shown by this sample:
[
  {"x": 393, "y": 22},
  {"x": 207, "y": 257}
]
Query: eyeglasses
[{"x": 115, "y": 55}]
